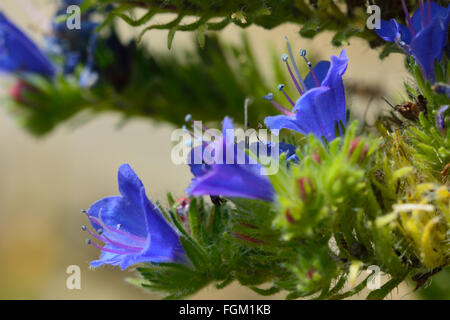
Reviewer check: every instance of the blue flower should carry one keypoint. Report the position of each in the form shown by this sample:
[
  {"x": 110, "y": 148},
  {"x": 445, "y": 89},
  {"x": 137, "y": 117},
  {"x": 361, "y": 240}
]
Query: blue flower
[
  {"x": 18, "y": 53},
  {"x": 321, "y": 106},
  {"x": 132, "y": 228},
  {"x": 240, "y": 179},
  {"x": 425, "y": 36}
]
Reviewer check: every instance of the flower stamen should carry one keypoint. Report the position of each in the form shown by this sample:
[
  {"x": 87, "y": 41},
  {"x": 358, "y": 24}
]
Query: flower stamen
[
  {"x": 285, "y": 57},
  {"x": 106, "y": 240},
  {"x": 99, "y": 221},
  {"x": 89, "y": 241},
  {"x": 408, "y": 18},
  {"x": 294, "y": 64},
  {"x": 280, "y": 108},
  {"x": 429, "y": 10},
  {"x": 281, "y": 88},
  {"x": 422, "y": 13},
  {"x": 311, "y": 69}
]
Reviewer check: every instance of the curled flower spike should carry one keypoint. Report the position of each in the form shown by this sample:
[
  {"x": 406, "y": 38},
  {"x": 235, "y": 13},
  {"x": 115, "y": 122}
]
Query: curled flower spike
[
  {"x": 132, "y": 228},
  {"x": 321, "y": 105},
  {"x": 19, "y": 54},
  {"x": 425, "y": 36}
]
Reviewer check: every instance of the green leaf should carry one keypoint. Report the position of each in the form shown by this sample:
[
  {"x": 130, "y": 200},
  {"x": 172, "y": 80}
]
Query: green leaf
[{"x": 381, "y": 293}]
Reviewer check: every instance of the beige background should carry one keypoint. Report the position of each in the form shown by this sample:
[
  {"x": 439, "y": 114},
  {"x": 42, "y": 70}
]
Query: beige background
[{"x": 44, "y": 183}]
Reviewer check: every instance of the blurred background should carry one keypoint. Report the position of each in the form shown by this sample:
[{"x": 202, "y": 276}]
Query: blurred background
[{"x": 45, "y": 182}]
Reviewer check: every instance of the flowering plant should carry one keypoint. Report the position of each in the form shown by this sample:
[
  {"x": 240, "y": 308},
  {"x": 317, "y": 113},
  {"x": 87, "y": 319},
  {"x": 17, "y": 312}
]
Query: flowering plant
[{"x": 342, "y": 200}]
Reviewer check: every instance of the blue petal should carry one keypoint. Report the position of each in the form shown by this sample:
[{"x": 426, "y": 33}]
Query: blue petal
[
  {"x": 125, "y": 210},
  {"x": 334, "y": 81},
  {"x": 110, "y": 258},
  {"x": 337, "y": 69},
  {"x": 329, "y": 112},
  {"x": 129, "y": 184},
  {"x": 118, "y": 210},
  {"x": 197, "y": 169},
  {"x": 440, "y": 117},
  {"x": 405, "y": 34},
  {"x": 164, "y": 242},
  {"x": 389, "y": 30},
  {"x": 233, "y": 181},
  {"x": 436, "y": 10},
  {"x": 271, "y": 149},
  {"x": 321, "y": 70},
  {"x": 428, "y": 45},
  {"x": 227, "y": 124},
  {"x": 18, "y": 53},
  {"x": 285, "y": 122},
  {"x": 317, "y": 111},
  {"x": 287, "y": 148}
]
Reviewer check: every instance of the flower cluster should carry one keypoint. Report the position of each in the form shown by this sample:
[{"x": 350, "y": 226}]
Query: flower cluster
[
  {"x": 424, "y": 37},
  {"x": 319, "y": 220},
  {"x": 65, "y": 50},
  {"x": 318, "y": 111}
]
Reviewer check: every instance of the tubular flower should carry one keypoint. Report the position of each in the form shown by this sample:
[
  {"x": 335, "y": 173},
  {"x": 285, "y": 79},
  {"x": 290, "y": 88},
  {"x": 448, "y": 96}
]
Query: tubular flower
[
  {"x": 320, "y": 109},
  {"x": 233, "y": 179},
  {"x": 133, "y": 229},
  {"x": 425, "y": 36}
]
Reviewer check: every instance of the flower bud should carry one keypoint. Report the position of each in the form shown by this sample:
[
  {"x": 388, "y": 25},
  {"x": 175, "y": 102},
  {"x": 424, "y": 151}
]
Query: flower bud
[
  {"x": 182, "y": 208},
  {"x": 316, "y": 157},
  {"x": 354, "y": 144},
  {"x": 17, "y": 90},
  {"x": 305, "y": 186},
  {"x": 288, "y": 216},
  {"x": 311, "y": 272}
]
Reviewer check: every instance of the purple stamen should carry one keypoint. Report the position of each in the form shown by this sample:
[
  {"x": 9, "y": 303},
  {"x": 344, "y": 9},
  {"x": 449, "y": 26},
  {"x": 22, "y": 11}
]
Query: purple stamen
[
  {"x": 429, "y": 10},
  {"x": 113, "y": 230},
  {"x": 107, "y": 249},
  {"x": 294, "y": 64},
  {"x": 121, "y": 245},
  {"x": 408, "y": 18},
  {"x": 278, "y": 106},
  {"x": 311, "y": 69},
  {"x": 284, "y": 57},
  {"x": 281, "y": 88},
  {"x": 422, "y": 13},
  {"x": 188, "y": 118},
  {"x": 92, "y": 234},
  {"x": 106, "y": 239}
]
